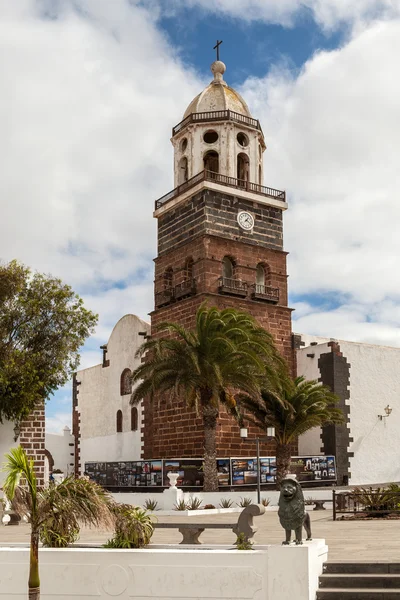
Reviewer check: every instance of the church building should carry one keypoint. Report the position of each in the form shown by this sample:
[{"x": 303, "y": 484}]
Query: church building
[{"x": 220, "y": 240}]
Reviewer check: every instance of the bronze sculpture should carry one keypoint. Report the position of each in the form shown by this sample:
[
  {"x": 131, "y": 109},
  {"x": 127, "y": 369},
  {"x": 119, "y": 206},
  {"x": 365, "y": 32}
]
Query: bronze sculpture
[{"x": 292, "y": 513}]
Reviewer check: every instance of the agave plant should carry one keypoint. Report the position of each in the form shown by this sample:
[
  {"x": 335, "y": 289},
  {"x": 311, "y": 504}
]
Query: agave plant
[
  {"x": 55, "y": 512},
  {"x": 244, "y": 502},
  {"x": 194, "y": 503},
  {"x": 226, "y": 503},
  {"x": 150, "y": 504},
  {"x": 133, "y": 527},
  {"x": 180, "y": 505}
]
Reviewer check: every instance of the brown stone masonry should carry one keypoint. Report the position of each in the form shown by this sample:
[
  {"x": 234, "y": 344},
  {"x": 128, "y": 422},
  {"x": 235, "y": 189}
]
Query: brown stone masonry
[
  {"x": 32, "y": 439},
  {"x": 193, "y": 239}
]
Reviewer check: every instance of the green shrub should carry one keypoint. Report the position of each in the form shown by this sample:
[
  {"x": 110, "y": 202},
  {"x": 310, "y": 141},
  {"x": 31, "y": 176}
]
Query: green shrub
[
  {"x": 133, "y": 527},
  {"x": 242, "y": 543}
]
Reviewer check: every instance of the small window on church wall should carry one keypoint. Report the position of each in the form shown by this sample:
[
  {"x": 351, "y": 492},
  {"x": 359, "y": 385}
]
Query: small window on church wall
[
  {"x": 211, "y": 162},
  {"x": 242, "y": 139},
  {"x": 184, "y": 144},
  {"x": 134, "y": 419},
  {"x": 183, "y": 170},
  {"x": 227, "y": 267},
  {"x": 260, "y": 175},
  {"x": 126, "y": 385},
  {"x": 259, "y": 151},
  {"x": 210, "y": 137},
  {"x": 119, "y": 421}
]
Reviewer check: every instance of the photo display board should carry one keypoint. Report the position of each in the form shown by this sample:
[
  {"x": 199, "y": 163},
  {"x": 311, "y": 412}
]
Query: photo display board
[
  {"x": 231, "y": 471},
  {"x": 313, "y": 468}
]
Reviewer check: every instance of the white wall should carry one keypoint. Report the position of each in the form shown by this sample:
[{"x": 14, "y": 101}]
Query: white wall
[
  {"x": 168, "y": 573},
  {"x": 6, "y": 442},
  {"x": 99, "y": 399},
  {"x": 374, "y": 383},
  {"x": 310, "y": 442},
  {"x": 61, "y": 447}
]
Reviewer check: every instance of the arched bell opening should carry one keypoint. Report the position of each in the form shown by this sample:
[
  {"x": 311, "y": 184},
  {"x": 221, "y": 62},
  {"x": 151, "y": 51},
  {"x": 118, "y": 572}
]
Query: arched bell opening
[
  {"x": 183, "y": 171},
  {"x": 211, "y": 162},
  {"x": 243, "y": 167}
]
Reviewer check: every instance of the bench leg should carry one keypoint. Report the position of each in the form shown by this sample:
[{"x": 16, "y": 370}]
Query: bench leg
[
  {"x": 191, "y": 536},
  {"x": 319, "y": 506}
]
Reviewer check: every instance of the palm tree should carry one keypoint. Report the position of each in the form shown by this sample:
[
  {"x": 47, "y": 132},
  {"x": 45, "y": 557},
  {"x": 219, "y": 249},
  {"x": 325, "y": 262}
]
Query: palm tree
[
  {"x": 292, "y": 407},
  {"x": 226, "y": 352},
  {"x": 74, "y": 500}
]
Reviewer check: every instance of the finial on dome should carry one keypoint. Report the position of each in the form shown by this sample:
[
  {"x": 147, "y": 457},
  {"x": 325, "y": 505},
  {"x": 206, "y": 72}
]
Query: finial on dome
[{"x": 218, "y": 69}]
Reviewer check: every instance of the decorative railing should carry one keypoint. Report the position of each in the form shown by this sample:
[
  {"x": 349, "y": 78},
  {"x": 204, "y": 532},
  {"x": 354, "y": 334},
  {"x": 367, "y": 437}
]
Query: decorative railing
[
  {"x": 235, "y": 287},
  {"x": 185, "y": 288},
  {"x": 371, "y": 502},
  {"x": 217, "y": 115},
  {"x": 265, "y": 292},
  {"x": 224, "y": 180},
  {"x": 164, "y": 297}
]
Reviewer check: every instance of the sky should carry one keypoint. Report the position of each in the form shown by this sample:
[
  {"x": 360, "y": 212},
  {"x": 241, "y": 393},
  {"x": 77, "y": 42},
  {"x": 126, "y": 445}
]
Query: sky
[{"x": 90, "y": 90}]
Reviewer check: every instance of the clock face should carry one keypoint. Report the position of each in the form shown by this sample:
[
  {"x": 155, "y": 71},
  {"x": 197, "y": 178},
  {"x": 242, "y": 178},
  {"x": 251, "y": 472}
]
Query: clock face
[{"x": 245, "y": 220}]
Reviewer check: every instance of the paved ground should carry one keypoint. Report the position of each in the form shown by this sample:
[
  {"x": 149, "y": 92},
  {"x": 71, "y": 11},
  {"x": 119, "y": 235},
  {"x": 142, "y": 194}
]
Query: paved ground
[{"x": 374, "y": 540}]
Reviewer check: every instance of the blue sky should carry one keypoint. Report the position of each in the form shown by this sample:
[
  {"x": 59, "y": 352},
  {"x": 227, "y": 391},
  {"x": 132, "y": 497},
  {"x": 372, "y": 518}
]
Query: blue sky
[{"x": 91, "y": 89}]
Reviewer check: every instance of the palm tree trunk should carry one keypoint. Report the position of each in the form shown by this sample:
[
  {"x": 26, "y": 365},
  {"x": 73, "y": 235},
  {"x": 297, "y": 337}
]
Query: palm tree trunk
[
  {"x": 210, "y": 415},
  {"x": 283, "y": 456},
  {"x": 34, "y": 581}
]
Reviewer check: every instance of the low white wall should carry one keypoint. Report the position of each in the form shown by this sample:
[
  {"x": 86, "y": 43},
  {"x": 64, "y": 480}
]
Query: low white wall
[
  {"x": 168, "y": 573},
  {"x": 165, "y": 502},
  {"x": 111, "y": 448}
]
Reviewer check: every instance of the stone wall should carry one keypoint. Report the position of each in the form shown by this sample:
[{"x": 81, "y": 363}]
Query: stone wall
[{"x": 32, "y": 439}]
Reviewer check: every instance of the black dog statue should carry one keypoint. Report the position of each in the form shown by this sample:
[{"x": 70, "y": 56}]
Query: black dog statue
[{"x": 292, "y": 513}]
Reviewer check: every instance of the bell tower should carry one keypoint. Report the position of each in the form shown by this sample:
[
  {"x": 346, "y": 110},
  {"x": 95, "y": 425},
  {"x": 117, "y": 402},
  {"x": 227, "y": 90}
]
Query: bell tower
[{"x": 220, "y": 240}]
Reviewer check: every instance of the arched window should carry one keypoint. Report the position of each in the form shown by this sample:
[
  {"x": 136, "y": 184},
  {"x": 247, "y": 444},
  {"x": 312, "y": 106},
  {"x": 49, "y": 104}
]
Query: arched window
[
  {"x": 189, "y": 268},
  {"x": 183, "y": 170},
  {"x": 260, "y": 278},
  {"x": 211, "y": 161},
  {"x": 125, "y": 383},
  {"x": 134, "y": 418},
  {"x": 119, "y": 421},
  {"x": 243, "y": 165},
  {"x": 260, "y": 175},
  {"x": 227, "y": 267}
]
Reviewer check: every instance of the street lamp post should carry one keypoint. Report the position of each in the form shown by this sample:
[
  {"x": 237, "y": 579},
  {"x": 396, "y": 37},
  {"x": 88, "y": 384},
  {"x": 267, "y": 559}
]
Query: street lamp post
[{"x": 270, "y": 433}]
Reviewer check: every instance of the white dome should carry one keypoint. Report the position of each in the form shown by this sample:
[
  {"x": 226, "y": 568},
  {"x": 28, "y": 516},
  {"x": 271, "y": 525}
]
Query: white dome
[{"x": 218, "y": 96}]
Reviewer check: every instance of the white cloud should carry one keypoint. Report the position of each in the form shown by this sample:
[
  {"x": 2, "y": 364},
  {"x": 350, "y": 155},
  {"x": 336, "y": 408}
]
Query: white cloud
[
  {"x": 329, "y": 14},
  {"x": 56, "y": 422},
  {"x": 333, "y": 143}
]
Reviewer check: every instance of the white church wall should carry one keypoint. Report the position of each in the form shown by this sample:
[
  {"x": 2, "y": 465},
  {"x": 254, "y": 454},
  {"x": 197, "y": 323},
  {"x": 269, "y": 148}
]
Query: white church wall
[
  {"x": 61, "y": 448},
  {"x": 374, "y": 383},
  {"x": 100, "y": 398},
  {"x": 6, "y": 442},
  {"x": 310, "y": 442}
]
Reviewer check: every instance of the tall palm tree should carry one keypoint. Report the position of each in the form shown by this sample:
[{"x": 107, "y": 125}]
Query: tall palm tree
[
  {"x": 292, "y": 407},
  {"x": 74, "y": 500},
  {"x": 227, "y": 351}
]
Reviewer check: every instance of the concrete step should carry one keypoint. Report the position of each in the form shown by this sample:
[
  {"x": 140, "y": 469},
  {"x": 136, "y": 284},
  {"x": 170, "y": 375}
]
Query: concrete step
[
  {"x": 361, "y": 567},
  {"x": 358, "y": 594},
  {"x": 359, "y": 581}
]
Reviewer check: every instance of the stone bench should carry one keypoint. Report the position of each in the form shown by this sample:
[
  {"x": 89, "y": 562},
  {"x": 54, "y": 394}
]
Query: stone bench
[
  {"x": 191, "y": 531},
  {"x": 319, "y": 504}
]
